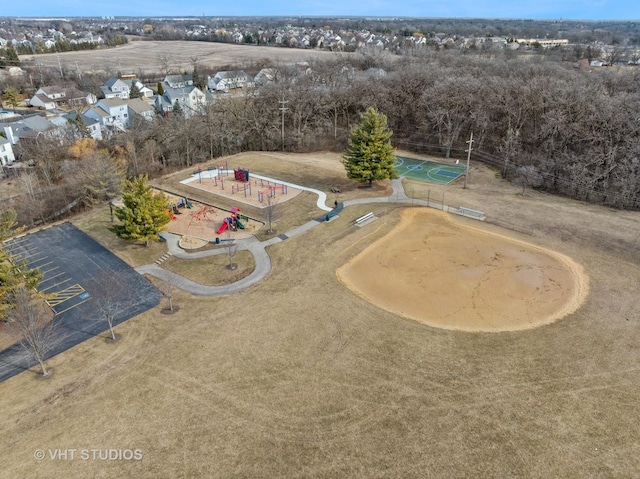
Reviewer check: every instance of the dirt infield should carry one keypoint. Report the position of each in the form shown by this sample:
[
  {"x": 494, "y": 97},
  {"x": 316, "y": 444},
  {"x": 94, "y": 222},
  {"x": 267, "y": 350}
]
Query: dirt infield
[{"x": 444, "y": 274}]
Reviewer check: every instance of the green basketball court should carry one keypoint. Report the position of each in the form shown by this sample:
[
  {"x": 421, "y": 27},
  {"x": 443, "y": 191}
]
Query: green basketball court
[{"x": 425, "y": 170}]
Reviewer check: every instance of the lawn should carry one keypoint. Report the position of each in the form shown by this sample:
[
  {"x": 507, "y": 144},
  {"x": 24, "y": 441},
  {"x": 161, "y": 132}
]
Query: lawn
[{"x": 299, "y": 377}]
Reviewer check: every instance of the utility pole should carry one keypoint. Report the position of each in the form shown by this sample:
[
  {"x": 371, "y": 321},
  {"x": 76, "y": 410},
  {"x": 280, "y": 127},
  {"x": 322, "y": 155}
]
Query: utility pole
[
  {"x": 283, "y": 102},
  {"x": 39, "y": 66},
  {"x": 466, "y": 175},
  {"x": 60, "y": 65}
]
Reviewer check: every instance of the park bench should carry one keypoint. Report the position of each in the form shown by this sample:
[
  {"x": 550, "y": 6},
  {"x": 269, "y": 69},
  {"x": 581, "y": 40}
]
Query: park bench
[
  {"x": 365, "y": 218},
  {"x": 471, "y": 213}
]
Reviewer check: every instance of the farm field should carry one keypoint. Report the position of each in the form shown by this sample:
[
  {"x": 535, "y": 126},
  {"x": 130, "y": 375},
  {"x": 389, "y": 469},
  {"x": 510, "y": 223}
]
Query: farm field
[
  {"x": 147, "y": 57},
  {"x": 297, "y": 376}
]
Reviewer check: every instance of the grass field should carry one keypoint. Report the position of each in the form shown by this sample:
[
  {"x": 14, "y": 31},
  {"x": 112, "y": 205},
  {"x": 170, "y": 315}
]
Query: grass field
[
  {"x": 298, "y": 377},
  {"x": 147, "y": 57}
]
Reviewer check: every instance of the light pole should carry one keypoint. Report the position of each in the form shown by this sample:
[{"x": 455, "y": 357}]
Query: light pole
[{"x": 466, "y": 175}]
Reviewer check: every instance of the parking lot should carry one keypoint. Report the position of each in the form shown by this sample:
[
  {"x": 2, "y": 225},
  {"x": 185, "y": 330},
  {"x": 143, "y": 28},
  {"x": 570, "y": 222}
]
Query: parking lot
[{"x": 80, "y": 277}]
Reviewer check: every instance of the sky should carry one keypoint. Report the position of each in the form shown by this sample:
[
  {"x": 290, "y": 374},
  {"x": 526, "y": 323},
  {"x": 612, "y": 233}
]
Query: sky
[{"x": 532, "y": 9}]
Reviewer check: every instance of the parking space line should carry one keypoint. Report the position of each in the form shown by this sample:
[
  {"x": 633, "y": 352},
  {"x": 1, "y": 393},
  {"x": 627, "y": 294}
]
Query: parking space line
[
  {"x": 49, "y": 270},
  {"x": 52, "y": 277},
  {"x": 56, "y": 284},
  {"x": 71, "y": 307}
]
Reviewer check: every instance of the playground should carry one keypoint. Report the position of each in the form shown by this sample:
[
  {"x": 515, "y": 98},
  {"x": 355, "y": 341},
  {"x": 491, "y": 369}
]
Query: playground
[
  {"x": 200, "y": 223},
  {"x": 427, "y": 170},
  {"x": 242, "y": 186}
]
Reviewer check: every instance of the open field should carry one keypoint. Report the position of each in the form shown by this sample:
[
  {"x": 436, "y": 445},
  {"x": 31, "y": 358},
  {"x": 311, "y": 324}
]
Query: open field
[
  {"x": 299, "y": 377},
  {"x": 148, "y": 57}
]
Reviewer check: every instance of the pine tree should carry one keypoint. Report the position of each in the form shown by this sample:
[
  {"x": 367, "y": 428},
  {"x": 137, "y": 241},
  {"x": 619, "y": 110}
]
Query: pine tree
[
  {"x": 144, "y": 213},
  {"x": 14, "y": 274},
  {"x": 177, "y": 109},
  {"x": 11, "y": 56},
  {"x": 370, "y": 156},
  {"x": 135, "y": 91},
  {"x": 160, "y": 89},
  {"x": 79, "y": 126},
  {"x": 11, "y": 97}
]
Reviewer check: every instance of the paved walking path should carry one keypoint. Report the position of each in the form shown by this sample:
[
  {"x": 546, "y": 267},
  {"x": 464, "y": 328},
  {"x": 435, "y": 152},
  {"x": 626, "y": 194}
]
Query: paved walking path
[{"x": 257, "y": 248}]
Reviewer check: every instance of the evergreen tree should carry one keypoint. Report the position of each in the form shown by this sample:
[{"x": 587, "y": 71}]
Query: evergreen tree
[
  {"x": 177, "y": 109},
  {"x": 370, "y": 156},
  {"x": 160, "y": 89},
  {"x": 144, "y": 213},
  {"x": 14, "y": 274},
  {"x": 198, "y": 80},
  {"x": 11, "y": 97},
  {"x": 79, "y": 126},
  {"x": 135, "y": 91},
  {"x": 11, "y": 56}
]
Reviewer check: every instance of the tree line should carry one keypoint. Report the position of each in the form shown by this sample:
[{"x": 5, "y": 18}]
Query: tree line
[{"x": 573, "y": 132}]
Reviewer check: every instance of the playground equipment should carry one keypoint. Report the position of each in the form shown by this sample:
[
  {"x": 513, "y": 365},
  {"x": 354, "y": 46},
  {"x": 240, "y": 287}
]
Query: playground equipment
[
  {"x": 271, "y": 190},
  {"x": 241, "y": 175},
  {"x": 233, "y": 222},
  {"x": 184, "y": 202},
  {"x": 202, "y": 214},
  {"x": 244, "y": 188},
  {"x": 223, "y": 226}
]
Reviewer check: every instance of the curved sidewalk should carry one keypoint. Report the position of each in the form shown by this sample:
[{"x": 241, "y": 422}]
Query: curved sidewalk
[{"x": 256, "y": 248}]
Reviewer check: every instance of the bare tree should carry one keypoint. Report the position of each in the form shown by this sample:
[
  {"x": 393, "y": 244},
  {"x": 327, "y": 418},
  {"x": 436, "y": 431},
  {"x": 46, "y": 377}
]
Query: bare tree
[
  {"x": 109, "y": 296},
  {"x": 29, "y": 322},
  {"x": 232, "y": 249},
  {"x": 528, "y": 176},
  {"x": 271, "y": 213},
  {"x": 167, "y": 289},
  {"x": 164, "y": 61},
  {"x": 510, "y": 148}
]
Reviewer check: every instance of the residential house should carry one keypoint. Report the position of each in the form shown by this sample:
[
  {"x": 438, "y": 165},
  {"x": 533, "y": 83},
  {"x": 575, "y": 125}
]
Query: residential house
[
  {"x": 29, "y": 128},
  {"x": 77, "y": 99},
  {"x": 227, "y": 80},
  {"x": 145, "y": 91},
  {"x": 191, "y": 100},
  {"x": 112, "y": 114},
  {"x": 265, "y": 76},
  {"x": 178, "y": 81},
  {"x": 6, "y": 152},
  {"x": 42, "y": 101},
  {"x": 140, "y": 109},
  {"x": 47, "y": 97},
  {"x": 116, "y": 88},
  {"x": 73, "y": 121},
  {"x": 598, "y": 63}
]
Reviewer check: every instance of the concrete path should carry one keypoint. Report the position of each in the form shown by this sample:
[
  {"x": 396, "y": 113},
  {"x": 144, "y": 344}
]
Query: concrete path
[{"x": 257, "y": 248}]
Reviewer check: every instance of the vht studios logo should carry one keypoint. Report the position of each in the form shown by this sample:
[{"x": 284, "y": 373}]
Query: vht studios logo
[{"x": 89, "y": 454}]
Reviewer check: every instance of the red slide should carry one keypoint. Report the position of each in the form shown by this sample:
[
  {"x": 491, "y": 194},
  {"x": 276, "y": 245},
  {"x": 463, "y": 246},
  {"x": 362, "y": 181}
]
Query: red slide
[{"x": 223, "y": 227}]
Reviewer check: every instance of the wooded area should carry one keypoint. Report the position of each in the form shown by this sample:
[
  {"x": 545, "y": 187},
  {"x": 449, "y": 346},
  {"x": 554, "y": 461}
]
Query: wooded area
[{"x": 575, "y": 130}]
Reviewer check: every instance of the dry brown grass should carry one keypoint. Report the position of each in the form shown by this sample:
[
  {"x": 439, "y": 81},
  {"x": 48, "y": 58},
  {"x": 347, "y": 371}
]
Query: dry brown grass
[
  {"x": 298, "y": 377},
  {"x": 145, "y": 56},
  {"x": 212, "y": 270}
]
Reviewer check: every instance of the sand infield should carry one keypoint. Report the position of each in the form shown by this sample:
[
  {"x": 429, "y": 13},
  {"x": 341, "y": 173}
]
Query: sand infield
[{"x": 441, "y": 272}]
